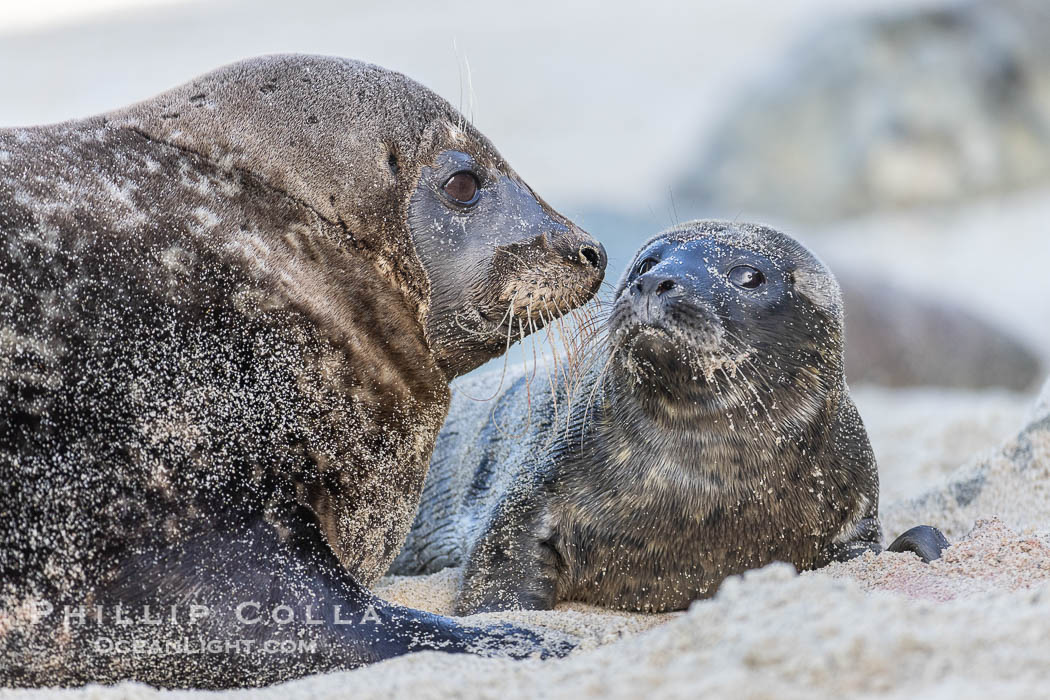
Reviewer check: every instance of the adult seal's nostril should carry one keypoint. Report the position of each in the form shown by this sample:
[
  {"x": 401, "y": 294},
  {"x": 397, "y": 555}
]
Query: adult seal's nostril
[
  {"x": 576, "y": 246},
  {"x": 589, "y": 255},
  {"x": 665, "y": 286}
]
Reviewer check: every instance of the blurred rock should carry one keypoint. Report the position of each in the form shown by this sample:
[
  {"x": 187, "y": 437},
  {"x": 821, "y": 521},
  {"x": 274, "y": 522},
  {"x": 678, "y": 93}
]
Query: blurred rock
[
  {"x": 917, "y": 106},
  {"x": 1012, "y": 482},
  {"x": 898, "y": 337}
]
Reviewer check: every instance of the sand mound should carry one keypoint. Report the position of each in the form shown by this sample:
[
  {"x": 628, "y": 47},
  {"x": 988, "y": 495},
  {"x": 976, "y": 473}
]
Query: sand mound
[
  {"x": 991, "y": 558},
  {"x": 1012, "y": 483}
]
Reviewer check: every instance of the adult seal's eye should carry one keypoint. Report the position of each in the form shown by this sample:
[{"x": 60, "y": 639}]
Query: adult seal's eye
[
  {"x": 645, "y": 265},
  {"x": 462, "y": 187},
  {"x": 746, "y": 277}
]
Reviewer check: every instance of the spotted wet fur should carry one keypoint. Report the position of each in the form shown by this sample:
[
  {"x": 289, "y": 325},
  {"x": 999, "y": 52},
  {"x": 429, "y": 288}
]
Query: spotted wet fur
[{"x": 218, "y": 377}]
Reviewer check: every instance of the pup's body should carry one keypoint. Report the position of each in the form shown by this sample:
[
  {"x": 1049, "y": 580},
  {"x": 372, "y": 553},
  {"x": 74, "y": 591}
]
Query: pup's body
[{"x": 715, "y": 434}]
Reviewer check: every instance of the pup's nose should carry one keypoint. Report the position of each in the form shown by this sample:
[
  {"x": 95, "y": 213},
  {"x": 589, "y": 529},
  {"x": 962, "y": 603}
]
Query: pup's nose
[{"x": 654, "y": 284}]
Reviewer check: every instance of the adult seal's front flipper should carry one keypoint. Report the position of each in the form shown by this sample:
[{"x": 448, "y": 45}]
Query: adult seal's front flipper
[{"x": 925, "y": 541}]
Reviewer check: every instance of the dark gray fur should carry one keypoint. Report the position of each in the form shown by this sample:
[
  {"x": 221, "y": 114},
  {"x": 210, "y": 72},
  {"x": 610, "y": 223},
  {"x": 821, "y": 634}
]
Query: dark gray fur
[
  {"x": 676, "y": 468},
  {"x": 223, "y": 364}
]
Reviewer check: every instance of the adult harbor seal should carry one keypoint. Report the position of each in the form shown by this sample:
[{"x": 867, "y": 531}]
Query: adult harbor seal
[
  {"x": 229, "y": 317},
  {"x": 714, "y": 434}
]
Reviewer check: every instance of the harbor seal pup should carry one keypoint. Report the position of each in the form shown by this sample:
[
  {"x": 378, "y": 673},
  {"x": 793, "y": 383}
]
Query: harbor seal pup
[
  {"x": 229, "y": 317},
  {"x": 714, "y": 434}
]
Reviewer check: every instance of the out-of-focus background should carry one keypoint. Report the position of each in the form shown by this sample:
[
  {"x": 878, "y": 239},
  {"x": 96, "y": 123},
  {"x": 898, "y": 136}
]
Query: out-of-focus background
[{"x": 907, "y": 143}]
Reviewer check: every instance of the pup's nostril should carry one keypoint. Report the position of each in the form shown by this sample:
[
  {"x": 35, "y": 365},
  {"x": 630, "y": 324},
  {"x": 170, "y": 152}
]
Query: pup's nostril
[
  {"x": 589, "y": 256},
  {"x": 665, "y": 286}
]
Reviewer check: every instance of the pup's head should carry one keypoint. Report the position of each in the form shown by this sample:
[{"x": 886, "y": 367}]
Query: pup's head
[{"x": 715, "y": 317}]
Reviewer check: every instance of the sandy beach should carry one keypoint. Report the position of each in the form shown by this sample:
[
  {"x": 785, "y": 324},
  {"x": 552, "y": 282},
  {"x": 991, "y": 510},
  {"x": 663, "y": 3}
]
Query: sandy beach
[{"x": 972, "y": 624}]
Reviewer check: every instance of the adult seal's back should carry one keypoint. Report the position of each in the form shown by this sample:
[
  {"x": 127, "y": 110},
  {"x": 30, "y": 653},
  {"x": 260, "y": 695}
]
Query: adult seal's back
[
  {"x": 229, "y": 316},
  {"x": 715, "y": 434}
]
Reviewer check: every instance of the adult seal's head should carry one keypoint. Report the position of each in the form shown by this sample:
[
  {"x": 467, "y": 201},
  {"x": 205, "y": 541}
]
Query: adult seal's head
[
  {"x": 714, "y": 434},
  {"x": 713, "y": 321},
  {"x": 498, "y": 257},
  {"x": 405, "y": 177}
]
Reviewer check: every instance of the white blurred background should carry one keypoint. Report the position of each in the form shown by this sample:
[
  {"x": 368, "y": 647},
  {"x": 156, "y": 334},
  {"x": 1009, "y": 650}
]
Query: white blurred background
[{"x": 593, "y": 103}]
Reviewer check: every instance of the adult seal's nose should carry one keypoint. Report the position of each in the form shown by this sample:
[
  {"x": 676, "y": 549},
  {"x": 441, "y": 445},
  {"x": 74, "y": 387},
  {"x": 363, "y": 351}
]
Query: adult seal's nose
[
  {"x": 593, "y": 255},
  {"x": 576, "y": 246}
]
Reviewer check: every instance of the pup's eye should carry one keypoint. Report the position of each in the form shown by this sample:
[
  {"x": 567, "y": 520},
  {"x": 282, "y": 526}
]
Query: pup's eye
[
  {"x": 645, "y": 265},
  {"x": 746, "y": 277},
  {"x": 462, "y": 187}
]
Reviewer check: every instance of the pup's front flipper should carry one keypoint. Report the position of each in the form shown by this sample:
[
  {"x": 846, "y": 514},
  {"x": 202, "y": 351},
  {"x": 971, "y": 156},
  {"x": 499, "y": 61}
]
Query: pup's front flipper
[
  {"x": 514, "y": 565},
  {"x": 925, "y": 541}
]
